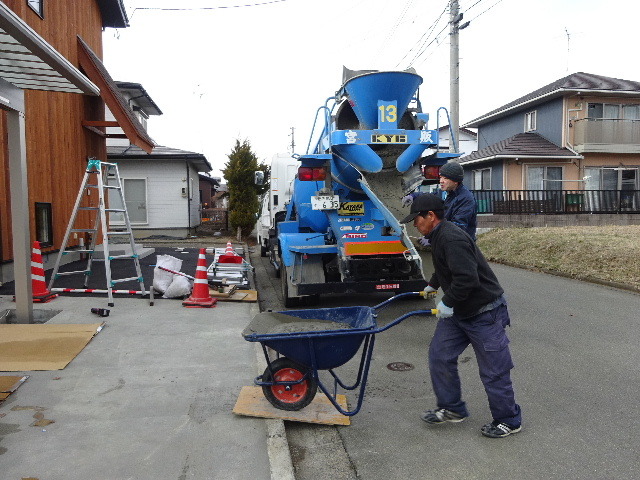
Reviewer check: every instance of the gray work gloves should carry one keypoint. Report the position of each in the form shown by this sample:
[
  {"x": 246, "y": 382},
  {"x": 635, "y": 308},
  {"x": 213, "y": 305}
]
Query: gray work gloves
[
  {"x": 444, "y": 311},
  {"x": 429, "y": 292}
]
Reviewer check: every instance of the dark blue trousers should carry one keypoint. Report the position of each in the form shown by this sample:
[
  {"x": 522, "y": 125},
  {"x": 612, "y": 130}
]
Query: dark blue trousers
[{"x": 486, "y": 333}]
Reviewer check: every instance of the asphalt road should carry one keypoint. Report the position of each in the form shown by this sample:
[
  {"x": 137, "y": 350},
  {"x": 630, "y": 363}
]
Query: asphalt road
[{"x": 575, "y": 346}]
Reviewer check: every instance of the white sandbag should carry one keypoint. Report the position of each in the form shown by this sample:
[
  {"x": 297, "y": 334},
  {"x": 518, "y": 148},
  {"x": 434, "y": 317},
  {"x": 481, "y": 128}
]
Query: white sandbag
[
  {"x": 161, "y": 278},
  {"x": 180, "y": 287}
]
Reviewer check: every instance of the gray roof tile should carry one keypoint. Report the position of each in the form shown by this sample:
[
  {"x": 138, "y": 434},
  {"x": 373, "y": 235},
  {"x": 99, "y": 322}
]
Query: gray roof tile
[
  {"x": 520, "y": 145},
  {"x": 571, "y": 83}
]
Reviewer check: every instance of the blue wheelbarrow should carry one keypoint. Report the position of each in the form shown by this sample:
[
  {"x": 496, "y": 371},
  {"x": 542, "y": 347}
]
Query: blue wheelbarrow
[{"x": 307, "y": 341}]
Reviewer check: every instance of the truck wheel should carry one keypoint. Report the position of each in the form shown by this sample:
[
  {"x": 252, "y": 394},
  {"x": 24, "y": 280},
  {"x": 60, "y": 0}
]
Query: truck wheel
[
  {"x": 288, "y": 397},
  {"x": 284, "y": 282}
]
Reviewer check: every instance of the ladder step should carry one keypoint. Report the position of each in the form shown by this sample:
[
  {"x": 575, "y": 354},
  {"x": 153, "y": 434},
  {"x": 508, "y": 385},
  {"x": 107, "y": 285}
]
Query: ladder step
[
  {"x": 118, "y": 233},
  {"x": 121, "y": 210},
  {"x": 88, "y": 208},
  {"x": 119, "y": 257},
  {"x": 82, "y": 230},
  {"x": 63, "y": 274},
  {"x": 113, "y": 187},
  {"x": 121, "y": 280},
  {"x": 68, "y": 252}
]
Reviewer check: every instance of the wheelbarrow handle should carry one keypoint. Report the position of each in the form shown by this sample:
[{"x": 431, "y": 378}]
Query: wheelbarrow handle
[
  {"x": 431, "y": 311},
  {"x": 384, "y": 304}
]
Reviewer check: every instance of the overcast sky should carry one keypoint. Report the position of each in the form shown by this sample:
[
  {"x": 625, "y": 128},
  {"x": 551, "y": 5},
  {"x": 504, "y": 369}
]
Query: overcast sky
[{"x": 222, "y": 70}]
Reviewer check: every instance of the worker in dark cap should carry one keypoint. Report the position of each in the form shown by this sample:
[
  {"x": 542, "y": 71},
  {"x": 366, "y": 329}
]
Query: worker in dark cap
[
  {"x": 472, "y": 311},
  {"x": 459, "y": 205}
]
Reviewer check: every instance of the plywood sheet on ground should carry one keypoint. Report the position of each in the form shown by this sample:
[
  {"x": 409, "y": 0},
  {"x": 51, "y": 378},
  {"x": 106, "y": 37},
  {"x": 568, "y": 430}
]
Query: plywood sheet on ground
[
  {"x": 9, "y": 384},
  {"x": 42, "y": 346},
  {"x": 251, "y": 402},
  {"x": 237, "y": 296}
]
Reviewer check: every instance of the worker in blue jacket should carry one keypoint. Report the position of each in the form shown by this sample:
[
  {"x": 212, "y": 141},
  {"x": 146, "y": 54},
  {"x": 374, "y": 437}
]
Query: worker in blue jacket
[
  {"x": 472, "y": 311},
  {"x": 459, "y": 205}
]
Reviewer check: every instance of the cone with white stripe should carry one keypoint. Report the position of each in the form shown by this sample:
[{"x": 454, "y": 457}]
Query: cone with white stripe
[
  {"x": 230, "y": 255},
  {"x": 38, "y": 285},
  {"x": 200, "y": 296}
]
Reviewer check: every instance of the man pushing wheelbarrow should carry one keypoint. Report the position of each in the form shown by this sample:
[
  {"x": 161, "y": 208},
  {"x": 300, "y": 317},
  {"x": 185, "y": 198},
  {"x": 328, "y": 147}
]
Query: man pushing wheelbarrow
[{"x": 472, "y": 311}]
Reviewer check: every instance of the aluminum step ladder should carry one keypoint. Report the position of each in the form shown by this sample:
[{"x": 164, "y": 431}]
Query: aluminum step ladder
[{"x": 103, "y": 177}]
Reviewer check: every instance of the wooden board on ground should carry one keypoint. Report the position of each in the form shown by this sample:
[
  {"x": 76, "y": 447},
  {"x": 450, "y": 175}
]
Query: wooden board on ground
[
  {"x": 251, "y": 402},
  {"x": 9, "y": 384},
  {"x": 43, "y": 346},
  {"x": 237, "y": 296},
  {"x": 227, "y": 291}
]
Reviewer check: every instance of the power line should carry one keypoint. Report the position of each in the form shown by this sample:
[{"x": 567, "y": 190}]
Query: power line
[
  {"x": 210, "y": 8},
  {"x": 427, "y": 34},
  {"x": 485, "y": 11},
  {"x": 395, "y": 26}
]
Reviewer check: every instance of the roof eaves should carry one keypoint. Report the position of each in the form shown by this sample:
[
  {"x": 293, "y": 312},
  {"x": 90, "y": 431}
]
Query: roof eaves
[
  {"x": 96, "y": 71},
  {"x": 113, "y": 13}
]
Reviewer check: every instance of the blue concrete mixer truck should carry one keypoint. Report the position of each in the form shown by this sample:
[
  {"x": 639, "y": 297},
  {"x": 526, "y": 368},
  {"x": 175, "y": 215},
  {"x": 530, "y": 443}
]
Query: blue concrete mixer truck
[{"x": 341, "y": 232}]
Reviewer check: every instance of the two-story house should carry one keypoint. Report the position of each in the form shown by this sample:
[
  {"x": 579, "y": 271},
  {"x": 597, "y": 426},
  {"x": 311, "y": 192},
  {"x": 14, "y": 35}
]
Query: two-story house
[
  {"x": 161, "y": 187},
  {"x": 572, "y": 144},
  {"x": 53, "y": 91}
]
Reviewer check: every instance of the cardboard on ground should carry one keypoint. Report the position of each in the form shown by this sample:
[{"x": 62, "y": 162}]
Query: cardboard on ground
[{"x": 252, "y": 402}]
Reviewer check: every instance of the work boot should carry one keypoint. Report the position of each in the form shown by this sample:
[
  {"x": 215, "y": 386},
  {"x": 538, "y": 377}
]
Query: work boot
[
  {"x": 441, "y": 415},
  {"x": 497, "y": 429}
]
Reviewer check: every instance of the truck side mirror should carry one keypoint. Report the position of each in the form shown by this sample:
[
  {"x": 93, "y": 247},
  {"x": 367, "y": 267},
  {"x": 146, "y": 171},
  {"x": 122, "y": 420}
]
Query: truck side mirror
[{"x": 258, "y": 177}]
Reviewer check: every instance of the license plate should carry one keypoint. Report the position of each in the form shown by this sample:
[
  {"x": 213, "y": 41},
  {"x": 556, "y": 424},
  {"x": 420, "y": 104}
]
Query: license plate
[{"x": 325, "y": 202}]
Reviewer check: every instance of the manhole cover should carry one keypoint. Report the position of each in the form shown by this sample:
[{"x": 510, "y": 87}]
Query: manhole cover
[{"x": 400, "y": 367}]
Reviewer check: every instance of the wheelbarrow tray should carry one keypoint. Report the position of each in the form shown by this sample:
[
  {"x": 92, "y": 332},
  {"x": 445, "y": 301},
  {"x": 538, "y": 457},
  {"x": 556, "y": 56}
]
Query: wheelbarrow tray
[{"x": 320, "y": 339}]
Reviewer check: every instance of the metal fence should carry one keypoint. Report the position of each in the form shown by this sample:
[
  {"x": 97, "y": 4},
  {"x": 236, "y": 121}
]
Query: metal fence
[{"x": 557, "y": 201}]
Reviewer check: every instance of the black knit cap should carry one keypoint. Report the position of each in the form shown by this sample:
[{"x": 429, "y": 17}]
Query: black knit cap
[
  {"x": 452, "y": 171},
  {"x": 424, "y": 203}
]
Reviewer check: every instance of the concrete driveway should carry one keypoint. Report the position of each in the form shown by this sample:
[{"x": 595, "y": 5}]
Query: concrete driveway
[{"x": 575, "y": 346}]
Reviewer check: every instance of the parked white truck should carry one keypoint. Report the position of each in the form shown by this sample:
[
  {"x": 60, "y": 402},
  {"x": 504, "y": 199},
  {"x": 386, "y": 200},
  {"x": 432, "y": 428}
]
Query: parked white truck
[{"x": 273, "y": 203}]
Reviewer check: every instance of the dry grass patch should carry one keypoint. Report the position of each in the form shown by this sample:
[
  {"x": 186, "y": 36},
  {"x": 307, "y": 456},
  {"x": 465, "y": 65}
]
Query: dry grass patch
[{"x": 609, "y": 253}]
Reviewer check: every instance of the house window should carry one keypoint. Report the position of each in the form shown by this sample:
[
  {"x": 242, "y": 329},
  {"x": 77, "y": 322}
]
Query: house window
[
  {"x": 530, "y": 121},
  {"x": 544, "y": 178},
  {"x": 613, "y": 111},
  {"x": 36, "y": 6},
  {"x": 631, "y": 112},
  {"x": 44, "y": 224},
  {"x": 611, "y": 178},
  {"x": 134, "y": 191},
  {"x": 482, "y": 179}
]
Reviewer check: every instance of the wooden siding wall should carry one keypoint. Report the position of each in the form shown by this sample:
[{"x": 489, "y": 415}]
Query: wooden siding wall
[{"x": 57, "y": 144}]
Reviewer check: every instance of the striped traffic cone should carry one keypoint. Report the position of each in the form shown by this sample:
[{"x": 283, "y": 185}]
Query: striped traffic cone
[
  {"x": 200, "y": 296},
  {"x": 230, "y": 255},
  {"x": 38, "y": 285}
]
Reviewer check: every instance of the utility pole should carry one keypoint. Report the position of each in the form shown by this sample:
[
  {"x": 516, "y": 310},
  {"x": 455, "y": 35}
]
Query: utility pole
[
  {"x": 293, "y": 143},
  {"x": 454, "y": 73},
  {"x": 454, "y": 76}
]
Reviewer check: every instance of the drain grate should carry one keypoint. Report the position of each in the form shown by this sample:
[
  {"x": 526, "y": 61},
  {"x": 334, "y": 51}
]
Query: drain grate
[{"x": 400, "y": 367}]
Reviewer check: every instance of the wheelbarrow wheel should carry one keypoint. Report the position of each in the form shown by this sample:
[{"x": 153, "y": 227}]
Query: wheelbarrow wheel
[{"x": 288, "y": 397}]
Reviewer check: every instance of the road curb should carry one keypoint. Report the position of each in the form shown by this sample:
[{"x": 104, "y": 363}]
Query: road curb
[{"x": 277, "y": 443}]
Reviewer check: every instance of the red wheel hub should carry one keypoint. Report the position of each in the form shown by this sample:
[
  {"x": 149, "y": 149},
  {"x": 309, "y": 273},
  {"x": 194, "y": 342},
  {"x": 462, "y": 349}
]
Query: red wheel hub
[{"x": 289, "y": 393}]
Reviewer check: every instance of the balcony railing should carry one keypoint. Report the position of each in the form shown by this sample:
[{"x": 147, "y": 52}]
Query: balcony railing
[
  {"x": 606, "y": 135},
  {"x": 557, "y": 201}
]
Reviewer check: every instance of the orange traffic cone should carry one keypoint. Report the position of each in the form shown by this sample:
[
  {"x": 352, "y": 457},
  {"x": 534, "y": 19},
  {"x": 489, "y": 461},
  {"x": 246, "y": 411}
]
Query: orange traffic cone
[
  {"x": 230, "y": 255},
  {"x": 200, "y": 296},
  {"x": 38, "y": 285}
]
